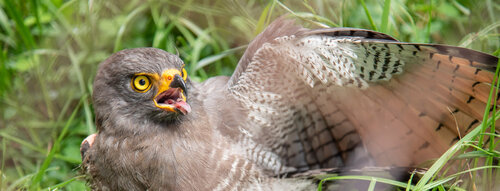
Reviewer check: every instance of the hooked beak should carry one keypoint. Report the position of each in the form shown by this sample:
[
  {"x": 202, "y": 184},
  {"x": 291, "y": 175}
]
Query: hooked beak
[
  {"x": 172, "y": 93},
  {"x": 178, "y": 82}
]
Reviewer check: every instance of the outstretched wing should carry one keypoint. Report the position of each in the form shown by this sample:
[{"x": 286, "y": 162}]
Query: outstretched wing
[{"x": 340, "y": 96}]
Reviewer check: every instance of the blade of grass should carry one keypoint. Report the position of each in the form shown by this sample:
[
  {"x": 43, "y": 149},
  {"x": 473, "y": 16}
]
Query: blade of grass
[
  {"x": 122, "y": 29},
  {"x": 307, "y": 16},
  {"x": 309, "y": 8},
  {"x": 429, "y": 23},
  {"x": 491, "y": 13},
  {"x": 43, "y": 86},
  {"x": 62, "y": 184},
  {"x": 422, "y": 184},
  {"x": 484, "y": 127},
  {"x": 5, "y": 75},
  {"x": 316, "y": 20},
  {"x": 198, "y": 45},
  {"x": 45, "y": 165},
  {"x": 202, "y": 74},
  {"x": 492, "y": 134},
  {"x": 28, "y": 145},
  {"x": 34, "y": 3},
  {"x": 385, "y": 16},
  {"x": 4, "y": 22},
  {"x": 185, "y": 6},
  {"x": 446, "y": 179},
  {"x": 217, "y": 43},
  {"x": 342, "y": 19},
  {"x": 4, "y": 150},
  {"x": 68, "y": 4},
  {"x": 373, "y": 182},
  {"x": 271, "y": 10},
  {"x": 223, "y": 44},
  {"x": 186, "y": 34},
  {"x": 62, "y": 21},
  {"x": 22, "y": 142},
  {"x": 469, "y": 39},
  {"x": 487, "y": 152},
  {"x": 79, "y": 76},
  {"x": 200, "y": 33},
  {"x": 170, "y": 42},
  {"x": 460, "y": 7},
  {"x": 261, "y": 23},
  {"x": 18, "y": 167},
  {"x": 23, "y": 108},
  {"x": 158, "y": 37},
  {"x": 492, "y": 145},
  {"x": 211, "y": 59},
  {"x": 367, "y": 178},
  {"x": 23, "y": 30},
  {"x": 197, "y": 8},
  {"x": 16, "y": 184},
  {"x": 368, "y": 15},
  {"x": 474, "y": 154},
  {"x": 316, "y": 16},
  {"x": 409, "y": 181}
]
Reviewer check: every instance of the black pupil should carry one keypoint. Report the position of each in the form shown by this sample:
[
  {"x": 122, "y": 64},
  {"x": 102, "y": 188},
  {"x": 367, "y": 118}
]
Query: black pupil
[{"x": 142, "y": 82}]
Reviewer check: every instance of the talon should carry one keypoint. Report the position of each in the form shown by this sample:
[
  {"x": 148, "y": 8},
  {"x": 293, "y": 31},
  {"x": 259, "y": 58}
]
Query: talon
[{"x": 86, "y": 144}]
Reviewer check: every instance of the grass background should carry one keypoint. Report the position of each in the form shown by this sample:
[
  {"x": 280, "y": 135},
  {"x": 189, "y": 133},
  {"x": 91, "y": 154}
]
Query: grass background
[{"x": 50, "y": 50}]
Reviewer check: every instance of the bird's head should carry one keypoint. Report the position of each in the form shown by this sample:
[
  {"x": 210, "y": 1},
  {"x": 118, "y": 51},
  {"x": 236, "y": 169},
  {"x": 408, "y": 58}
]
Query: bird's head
[{"x": 142, "y": 84}]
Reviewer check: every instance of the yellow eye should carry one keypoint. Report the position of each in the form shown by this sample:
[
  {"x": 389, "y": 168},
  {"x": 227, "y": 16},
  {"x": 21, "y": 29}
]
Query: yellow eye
[
  {"x": 141, "y": 83},
  {"x": 184, "y": 74}
]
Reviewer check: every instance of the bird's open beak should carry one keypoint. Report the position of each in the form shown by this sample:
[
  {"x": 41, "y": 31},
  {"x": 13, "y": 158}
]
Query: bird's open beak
[{"x": 172, "y": 93}]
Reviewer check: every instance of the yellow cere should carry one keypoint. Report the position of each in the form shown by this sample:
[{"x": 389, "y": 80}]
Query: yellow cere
[
  {"x": 141, "y": 83},
  {"x": 166, "y": 78},
  {"x": 163, "y": 84}
]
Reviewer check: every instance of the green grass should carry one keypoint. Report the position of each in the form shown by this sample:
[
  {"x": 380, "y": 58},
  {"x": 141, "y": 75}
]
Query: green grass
[{"x": 50, "y": 50}]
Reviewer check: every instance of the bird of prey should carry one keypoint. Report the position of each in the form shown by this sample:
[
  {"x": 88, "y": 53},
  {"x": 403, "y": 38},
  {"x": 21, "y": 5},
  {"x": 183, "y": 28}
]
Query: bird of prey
[{"x": 300, "y": 99}]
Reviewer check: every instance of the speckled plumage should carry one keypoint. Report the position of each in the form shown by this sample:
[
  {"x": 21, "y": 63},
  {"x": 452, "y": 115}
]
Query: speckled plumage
[{"x": 299, "y": 100}]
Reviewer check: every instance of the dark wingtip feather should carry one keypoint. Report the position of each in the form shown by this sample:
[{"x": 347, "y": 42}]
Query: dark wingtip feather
[
  {"x": 351, "y": 32},
  {"x": 486, "y": 61}
]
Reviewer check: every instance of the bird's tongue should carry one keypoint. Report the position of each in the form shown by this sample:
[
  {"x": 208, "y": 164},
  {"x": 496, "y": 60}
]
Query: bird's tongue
[{"x": 182, "y": 106}]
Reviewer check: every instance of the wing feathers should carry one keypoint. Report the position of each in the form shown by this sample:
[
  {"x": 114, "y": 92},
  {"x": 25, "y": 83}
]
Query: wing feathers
[
  {"x": 474, "y": 58},
  {"x": 349, "y": 32},
  {"x": 280, "y": 27},
  {"x": 342, "y": 91}
]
